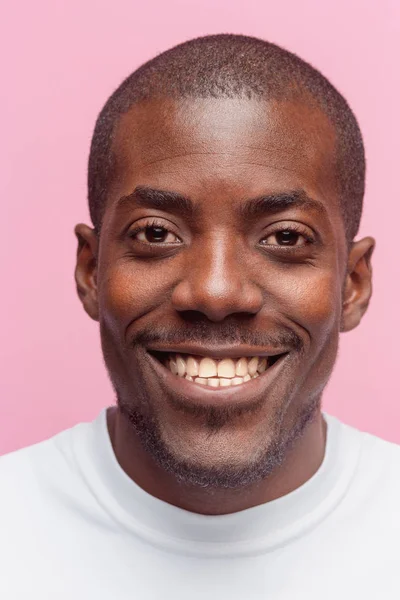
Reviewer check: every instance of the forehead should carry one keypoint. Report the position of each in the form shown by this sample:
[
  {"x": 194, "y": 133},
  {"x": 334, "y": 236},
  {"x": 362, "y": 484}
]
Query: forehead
[{"x": 233, "y": 146}]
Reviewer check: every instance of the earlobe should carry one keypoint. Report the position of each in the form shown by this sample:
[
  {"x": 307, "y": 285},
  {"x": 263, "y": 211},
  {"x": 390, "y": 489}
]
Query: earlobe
[
  {"x": 86, "y": 269},
  {"x": 357, "y": 290}
]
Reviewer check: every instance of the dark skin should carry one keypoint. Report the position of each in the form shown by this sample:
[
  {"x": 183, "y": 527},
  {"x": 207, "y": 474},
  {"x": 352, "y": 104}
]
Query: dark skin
[{"x": 283, "y": 279}]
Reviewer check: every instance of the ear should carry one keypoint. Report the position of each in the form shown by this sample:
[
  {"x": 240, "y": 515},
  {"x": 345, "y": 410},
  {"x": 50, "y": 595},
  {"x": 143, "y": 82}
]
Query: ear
[
  {"x": 86, "y": 269},
  {"x": 357, "y": 290}
]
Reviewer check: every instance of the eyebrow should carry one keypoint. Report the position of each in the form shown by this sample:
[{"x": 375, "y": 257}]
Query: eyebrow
[{"x": 173, "y": 202}]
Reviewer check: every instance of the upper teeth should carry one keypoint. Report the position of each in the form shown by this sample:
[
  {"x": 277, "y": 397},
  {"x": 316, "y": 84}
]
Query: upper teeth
[{"x": 225, "y": 371}]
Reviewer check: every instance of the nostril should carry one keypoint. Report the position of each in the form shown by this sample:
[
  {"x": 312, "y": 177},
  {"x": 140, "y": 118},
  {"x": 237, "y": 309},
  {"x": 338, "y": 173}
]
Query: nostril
[{"x": 194, "y": 316}]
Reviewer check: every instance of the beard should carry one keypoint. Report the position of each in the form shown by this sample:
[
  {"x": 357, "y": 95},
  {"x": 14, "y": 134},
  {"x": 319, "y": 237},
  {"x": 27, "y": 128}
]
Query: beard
[
  {"x": 279, "y": 442},
  {"x": 147, "y": 426}
]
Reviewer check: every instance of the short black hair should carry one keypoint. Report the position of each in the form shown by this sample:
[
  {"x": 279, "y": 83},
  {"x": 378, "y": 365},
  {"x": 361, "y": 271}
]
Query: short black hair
[{"x": 231, "y": 66}]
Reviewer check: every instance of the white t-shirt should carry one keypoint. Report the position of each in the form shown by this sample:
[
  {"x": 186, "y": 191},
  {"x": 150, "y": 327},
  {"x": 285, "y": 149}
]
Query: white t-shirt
[{"x": 74, "y": 526}]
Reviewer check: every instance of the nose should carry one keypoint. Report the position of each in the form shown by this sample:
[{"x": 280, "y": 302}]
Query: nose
[{"x": 216, "y": 283}]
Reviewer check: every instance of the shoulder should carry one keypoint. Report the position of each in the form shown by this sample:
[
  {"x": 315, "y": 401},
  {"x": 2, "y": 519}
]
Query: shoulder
[
  {"x": 381, "y": 458},
  {"x": 40, "y": 455},
  {"x": 377, "y": 477},
  {"x": 378, "y": 454},
  {"x": 374, "y": 449},
  {"x": 32, "y": 474}
]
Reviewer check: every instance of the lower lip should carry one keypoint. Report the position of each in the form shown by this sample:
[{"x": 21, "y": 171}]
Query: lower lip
[{"x": 209, "y": 396}]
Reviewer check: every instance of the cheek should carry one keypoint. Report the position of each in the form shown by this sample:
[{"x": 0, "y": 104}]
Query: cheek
[
  {"x": 127, "y": 291},
  {"x": 312, "y": 298},
  {"x": 313, "y": 301}
]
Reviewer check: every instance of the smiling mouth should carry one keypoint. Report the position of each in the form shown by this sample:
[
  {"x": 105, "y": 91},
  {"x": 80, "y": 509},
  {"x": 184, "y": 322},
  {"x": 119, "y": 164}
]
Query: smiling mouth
[{"x": 215, "y": 373}]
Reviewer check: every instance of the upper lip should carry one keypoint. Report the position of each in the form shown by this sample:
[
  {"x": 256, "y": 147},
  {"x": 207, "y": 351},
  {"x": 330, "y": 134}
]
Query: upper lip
[{"x": 219, "y": 351}]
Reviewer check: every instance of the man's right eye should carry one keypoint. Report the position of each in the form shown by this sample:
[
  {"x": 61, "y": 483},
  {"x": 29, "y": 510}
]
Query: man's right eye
[{"x": 153, "y": 233}]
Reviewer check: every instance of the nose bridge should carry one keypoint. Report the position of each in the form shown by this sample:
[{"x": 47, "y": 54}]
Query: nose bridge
[{"x": 216, "y": 280}]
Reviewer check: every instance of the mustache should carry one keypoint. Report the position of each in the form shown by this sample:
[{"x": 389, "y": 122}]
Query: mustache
[{"x": 219, "y": 334}]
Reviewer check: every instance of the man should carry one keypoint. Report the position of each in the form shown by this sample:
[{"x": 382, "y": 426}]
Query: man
[{"x": 226, "y": 180}]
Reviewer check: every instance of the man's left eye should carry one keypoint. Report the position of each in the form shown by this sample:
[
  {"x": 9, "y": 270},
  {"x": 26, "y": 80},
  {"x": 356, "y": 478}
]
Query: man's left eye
[{"x": 284, "y": 238}]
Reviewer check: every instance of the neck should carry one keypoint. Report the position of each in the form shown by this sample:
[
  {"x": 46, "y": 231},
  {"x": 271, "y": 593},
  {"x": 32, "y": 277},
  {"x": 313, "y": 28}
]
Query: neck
[{"x": 299, "y": 465}]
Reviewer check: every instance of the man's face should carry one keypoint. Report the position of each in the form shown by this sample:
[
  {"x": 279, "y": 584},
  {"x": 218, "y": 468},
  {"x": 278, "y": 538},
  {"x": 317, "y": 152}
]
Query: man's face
[{"x": 219, "y": 281}]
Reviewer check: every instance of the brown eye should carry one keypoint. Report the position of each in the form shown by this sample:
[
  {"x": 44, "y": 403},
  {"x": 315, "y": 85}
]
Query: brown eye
[
  {"x": 285, "y": 237},
  {"x": 153, "y": 234}
]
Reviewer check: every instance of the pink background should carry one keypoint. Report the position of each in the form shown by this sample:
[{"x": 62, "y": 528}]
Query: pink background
[{"x": 61, "y": 60}]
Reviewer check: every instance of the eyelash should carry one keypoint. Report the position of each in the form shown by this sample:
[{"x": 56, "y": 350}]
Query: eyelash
[
  {"x": 293, "y": 227},
  {"x": 149, "y": 225}
]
